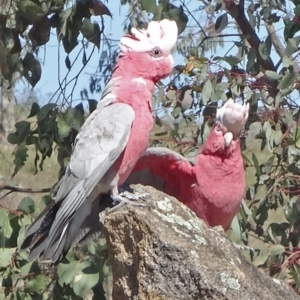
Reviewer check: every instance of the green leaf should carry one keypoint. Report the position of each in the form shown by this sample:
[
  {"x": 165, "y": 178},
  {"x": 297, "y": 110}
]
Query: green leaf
[
  {"x": 256, "y": 164},
  {"x": 272, "y": 75},
  {"x": 36, "y": 284},
  {"x": 74, "y": 118},
  {"x": 252, "y": 19},
  {"x": 202, "y": 134},
  {"x": 22, "y": 131},
  {"x": 68, "y": 62},
  {"x": 221, "y": 23},
  {"x": 30, "y": 267},
  {"x": 29, "y": 10},
  {"x": 287, "y": 81},
  {"x": 70, "y": 35},
  {"x": 5, "y": 224},
  {"x": 31, "y": 69},
  {"x": 20, "y": 157},
  {"x": 236, "y": 228},
  {"x": 91, "y": 31},
  {"x": 290, "y": 29},
  {"x": 286, "y": 61},
  {"x": 269, "y": 164},
  {"x": 178, "y": 15},
  {"x": 45, "y": 111},
  {"x": 23, "y": 222},
  {"x": 6, "y": 255},
  {"x": 45, "y": 201},
  {"x": 232, "y": 60},
  {"x": 149, "y": 6},
  {"x": 63, "y": 127},
  {"x": 87, "y": 277},
  {"x": 261, "y": 214},
  {"x": 297, "y": 137},
  {"x": 35, "y": 108},
  {"x": 39, "y": 33},
  {"x": 176, "y": 112},
  {"x": 92, "y": 105},
  {"x": 276, "y": 250},
  {"x": 27, "y": 206},
  {"x": 279, "y": 229},
  {"x": 206, "y": 92},
  {"x": 264, "y": 50},
  {"x": 292, "y": 45},
  {"x": 66, "y": 272}
]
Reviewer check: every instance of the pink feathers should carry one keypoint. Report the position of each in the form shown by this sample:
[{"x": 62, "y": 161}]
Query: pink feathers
[{"x": 214, "y": 187}]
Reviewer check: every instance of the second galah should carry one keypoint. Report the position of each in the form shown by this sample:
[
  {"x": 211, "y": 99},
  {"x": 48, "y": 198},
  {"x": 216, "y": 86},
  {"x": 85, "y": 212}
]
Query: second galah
[
  {"x": 109, "y": 143},
  {"x": 214, "y": 186}
]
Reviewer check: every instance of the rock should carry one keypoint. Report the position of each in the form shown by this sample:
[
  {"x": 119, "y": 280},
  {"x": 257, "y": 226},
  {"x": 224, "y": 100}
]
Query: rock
[{"x": 165, "y": 252}]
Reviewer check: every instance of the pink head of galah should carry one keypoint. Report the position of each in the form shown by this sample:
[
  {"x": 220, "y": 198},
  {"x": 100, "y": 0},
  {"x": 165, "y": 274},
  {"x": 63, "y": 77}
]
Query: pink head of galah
[
  {"x": 231, "y": 119},
  {"x": 149, "y": 50}
]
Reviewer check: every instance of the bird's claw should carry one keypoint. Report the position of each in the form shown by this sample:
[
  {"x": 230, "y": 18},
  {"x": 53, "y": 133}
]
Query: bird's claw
[
  {"x": 126, "y": 198},
  {"x": 132, "y": 196}
]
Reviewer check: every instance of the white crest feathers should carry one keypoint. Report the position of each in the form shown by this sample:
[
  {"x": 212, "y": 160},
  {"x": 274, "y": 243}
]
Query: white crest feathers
[{"x": 162, "y": 34}]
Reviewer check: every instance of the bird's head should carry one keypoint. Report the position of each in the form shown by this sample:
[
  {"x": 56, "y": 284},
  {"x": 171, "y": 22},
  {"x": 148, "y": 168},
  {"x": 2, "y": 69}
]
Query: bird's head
[
  {"x": 149, "y": 50},
  {"x": 230, "y": 120}
]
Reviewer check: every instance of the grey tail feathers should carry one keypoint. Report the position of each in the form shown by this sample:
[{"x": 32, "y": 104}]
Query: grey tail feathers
[{"x": 83, "y": 227}]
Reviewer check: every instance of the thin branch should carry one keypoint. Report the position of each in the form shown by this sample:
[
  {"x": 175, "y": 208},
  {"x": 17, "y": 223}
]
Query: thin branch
[
  {"x": 13, "y": 189},
  {"x": 192, "y": 15},
  {"x": 238, "y": 14},
  {"x": 220, "y": 36}
]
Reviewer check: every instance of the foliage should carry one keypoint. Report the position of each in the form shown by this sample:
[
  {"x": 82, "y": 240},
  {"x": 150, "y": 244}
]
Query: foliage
[
  {"x": 47, "y": 127},
  {"x": 82, "y": 272},
  {"x": 32, "y": 20},
  {"x": 263, "y": 71}
]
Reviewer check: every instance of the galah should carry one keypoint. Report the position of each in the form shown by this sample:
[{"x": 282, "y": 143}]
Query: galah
[
  {"x": 109, "y": 143},
  {"x": 214, "y": 186}
]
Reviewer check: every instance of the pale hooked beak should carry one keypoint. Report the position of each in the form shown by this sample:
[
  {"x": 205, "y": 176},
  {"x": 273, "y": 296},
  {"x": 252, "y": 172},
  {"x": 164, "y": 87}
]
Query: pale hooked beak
[{"x": 228, "y": 137}]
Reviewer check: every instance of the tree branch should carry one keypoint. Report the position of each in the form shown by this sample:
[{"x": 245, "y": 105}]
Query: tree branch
[
  {"x": 278, "y": 46},
  {"x": 13, "y": 189},
  {"x": 238, "y": 14}
]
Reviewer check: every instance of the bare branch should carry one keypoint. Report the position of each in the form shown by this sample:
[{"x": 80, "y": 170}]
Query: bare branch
[
  {"x": 13, "y": 189},
  {"x": 238, "y": 14},
  {"x": 278, "y": 46}
]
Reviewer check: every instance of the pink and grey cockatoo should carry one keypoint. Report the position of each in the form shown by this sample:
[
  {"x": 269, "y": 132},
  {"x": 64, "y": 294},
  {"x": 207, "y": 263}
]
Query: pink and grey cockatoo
[
  {"x": 109, "y": 143},
  {"x": 214, "y": 187}
]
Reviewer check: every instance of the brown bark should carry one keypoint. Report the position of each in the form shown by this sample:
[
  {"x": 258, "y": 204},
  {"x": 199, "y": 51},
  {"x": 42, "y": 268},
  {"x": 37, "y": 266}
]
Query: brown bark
[
  {"x": 166, "y": 252},
  {"x": 238, "y": 14},
  {"x": 7, "y": 109}
]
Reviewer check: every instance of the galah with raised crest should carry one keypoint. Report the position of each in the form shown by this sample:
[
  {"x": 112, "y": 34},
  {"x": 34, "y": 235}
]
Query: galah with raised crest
[
  {"x": 214, "y": 186},
  {"x": 108, "y": 145}
]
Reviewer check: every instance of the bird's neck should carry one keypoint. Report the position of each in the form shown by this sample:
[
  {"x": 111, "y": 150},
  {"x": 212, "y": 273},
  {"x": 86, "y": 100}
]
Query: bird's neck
[
  {"x": 135, "y": 91},
  {"x": 228, "y": 162}
]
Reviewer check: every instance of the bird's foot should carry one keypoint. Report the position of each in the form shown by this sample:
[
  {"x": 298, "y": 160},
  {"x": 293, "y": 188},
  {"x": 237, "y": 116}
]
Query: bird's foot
[
  {"x": 243, "y": 247},
  {"x": 127, "y": 198},
  {"x": 132, "y": 196}
]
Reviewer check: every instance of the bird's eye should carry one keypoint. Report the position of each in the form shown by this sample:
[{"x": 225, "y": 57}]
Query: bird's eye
[
  {"x": 218, "y": 126},
  {"x": 156, "y": 52}
]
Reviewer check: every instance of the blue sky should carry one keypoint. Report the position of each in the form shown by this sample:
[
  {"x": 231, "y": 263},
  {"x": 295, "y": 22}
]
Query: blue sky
[
  {"x": 51, "y": 66},
  {"x": 48, "y": 57}
]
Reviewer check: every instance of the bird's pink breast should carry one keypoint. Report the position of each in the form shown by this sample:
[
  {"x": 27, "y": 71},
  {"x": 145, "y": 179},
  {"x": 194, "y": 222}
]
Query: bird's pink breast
[
  {"x": 220, "y": 188},
  {"x": 138, "y": 95}
]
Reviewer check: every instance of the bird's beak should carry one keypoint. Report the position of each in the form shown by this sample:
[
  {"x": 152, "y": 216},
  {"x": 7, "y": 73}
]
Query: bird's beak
[{"x": 228, "y": 137}]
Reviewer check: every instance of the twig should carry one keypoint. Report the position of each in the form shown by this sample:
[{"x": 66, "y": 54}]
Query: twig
[{"x": 13, "y": 189}]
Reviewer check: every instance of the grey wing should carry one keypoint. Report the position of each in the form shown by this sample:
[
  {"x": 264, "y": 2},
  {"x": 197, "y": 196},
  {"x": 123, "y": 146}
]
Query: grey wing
[{"x": 99, "y": 143}]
